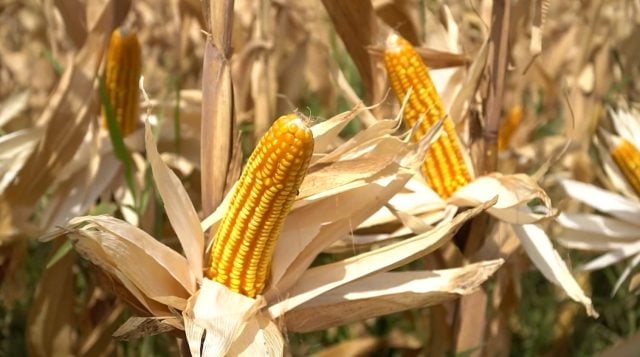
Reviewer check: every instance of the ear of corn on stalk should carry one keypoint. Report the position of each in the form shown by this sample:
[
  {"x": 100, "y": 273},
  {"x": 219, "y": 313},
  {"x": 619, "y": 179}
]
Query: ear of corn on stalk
[
  {"x": 122, "y": 73},
  {"x": 627, "y": 158},
  {"x": 444, "y": 166},
  {"x": 245, "y": 240},
  {"x": 509, "y": 126}
]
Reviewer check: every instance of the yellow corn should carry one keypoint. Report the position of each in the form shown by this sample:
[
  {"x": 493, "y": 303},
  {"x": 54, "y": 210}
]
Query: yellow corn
[
  {"x": 627, "y": 158},
  {"x": 122, "y": 73},
  {"x": 509, "y": 126},
  {"x": 444, "y": 166},
  {"x": 244, "y": 242}
]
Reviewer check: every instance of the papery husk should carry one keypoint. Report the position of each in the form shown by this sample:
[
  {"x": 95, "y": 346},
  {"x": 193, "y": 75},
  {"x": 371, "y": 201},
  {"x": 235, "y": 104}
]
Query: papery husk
[
  {"x": 182, "y": 215},
  {"x": 616, "y": 205},
  {"x": 157, "y": 276},
  {"x": 230, "y": 322},
  {"x": 318, "y": 280},
  {"x": 540, "y": 250},
  {"x": 385, "y": 293},
  {"x": 514, "y": 193}
]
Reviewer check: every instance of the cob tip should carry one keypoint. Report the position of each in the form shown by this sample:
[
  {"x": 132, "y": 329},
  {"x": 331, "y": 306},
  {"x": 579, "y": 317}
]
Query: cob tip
[{"x": 394, "y": 43}]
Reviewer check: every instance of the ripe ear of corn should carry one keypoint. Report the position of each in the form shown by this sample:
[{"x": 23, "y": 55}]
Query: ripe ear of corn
[
  {"x": 444, "y": 166},
  {"x": 627, "y": 158},
  {"x": 122, "y": 73},
  {"x": 509, "y": 126},
  {"x": 245, "y": 240}
]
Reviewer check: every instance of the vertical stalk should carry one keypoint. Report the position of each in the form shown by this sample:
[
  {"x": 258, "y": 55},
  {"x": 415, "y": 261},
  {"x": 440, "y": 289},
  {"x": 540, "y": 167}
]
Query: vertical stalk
[
  {"x": 498, "y": 52},
  {"x": 218, "y": 116}
]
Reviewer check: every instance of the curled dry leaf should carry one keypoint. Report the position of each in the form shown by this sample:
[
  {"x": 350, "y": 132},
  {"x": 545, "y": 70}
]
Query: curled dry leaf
[{"x": 514, "y": 193}]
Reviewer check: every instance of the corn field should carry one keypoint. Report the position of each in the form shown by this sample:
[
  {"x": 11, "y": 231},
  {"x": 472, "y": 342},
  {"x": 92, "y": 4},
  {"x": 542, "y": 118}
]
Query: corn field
[{"x": 319, "y": 178}]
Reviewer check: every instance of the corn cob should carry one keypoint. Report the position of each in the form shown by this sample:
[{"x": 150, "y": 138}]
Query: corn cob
[
  {"x": 627, "y": 158},
  {"x": 509, "y": 126},
  {"x": 444, "y": 166},
  {"x": 123, "y": 70},
  {"x": 245, "y": 240}
]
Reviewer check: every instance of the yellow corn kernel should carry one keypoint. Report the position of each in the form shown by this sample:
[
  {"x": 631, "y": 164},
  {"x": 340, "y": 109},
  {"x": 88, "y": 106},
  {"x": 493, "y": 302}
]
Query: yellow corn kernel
[
  {"x": 122, "y": 73},
  {"x": 627, "y": 158},
  {"x": 444, "y": 166},
  {"x": 508, "y": 127},
  {"x": 245, "y": 240}
]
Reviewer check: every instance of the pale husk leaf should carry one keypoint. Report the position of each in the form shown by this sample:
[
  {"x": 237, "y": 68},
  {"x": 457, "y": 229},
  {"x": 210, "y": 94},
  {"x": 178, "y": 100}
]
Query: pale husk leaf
[
  {"x": 180, "y": 210},
  {"x": 136, "y": 253},
  {"x": 374, "y": 132},
  {"x": 325, "y": 133},
  {"x": 603, "y": 200},
  {"x": 575, "y": 239},
  {"x": 541, "y": 252},
  {"x": 228, "y": 319},
  {"x": 308, "y": 231},
  {"x": 513, "y": 191},
  {"x": 612, "y": 257},
  {"x": 415, "y": 198},
  {"x": 316, "y": 281},
  {"x": 625, "y": 273},
  {"x": 385, "y": 293},
  {"x": 627, "y": 124},
  {"x": 598, "y": 224}
]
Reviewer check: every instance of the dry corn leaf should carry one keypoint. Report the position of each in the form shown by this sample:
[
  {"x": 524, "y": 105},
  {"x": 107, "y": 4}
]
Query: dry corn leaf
[
  {"x": 50, "y": 328},
  {"x": 67, "y": 116},
  {"x": 613, "y": 229},
  {"x": 318, "y": 280},
  {"x": 137, "y": 327},
  {"x": 385, "y": 293},
  {"x": 99, "y": 341},
  {"x": 15, "y": 148},
  {"x": 182, "y": 215},
  {"x": 619, "y": 207},
  {"x": 540, "y": 250},
  {"x": 13, "y": 106},
  {"x": 514, "y": 193},
  {"x": 355, "y": 22},
  {"x": 75, "y": 24}
]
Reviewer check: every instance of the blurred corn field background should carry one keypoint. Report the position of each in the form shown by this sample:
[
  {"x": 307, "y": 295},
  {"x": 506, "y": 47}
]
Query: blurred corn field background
[{"x": 445, "y": 177}]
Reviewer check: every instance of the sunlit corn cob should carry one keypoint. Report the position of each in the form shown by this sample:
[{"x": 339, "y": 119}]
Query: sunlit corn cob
[
  {"x": 444, "y": 166},
  {"x": 627, "y": 158},
  {"x": 509, "y": 126},
  {"x": 244, "y": 243},
  {"x": 121, "y": 78}
]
